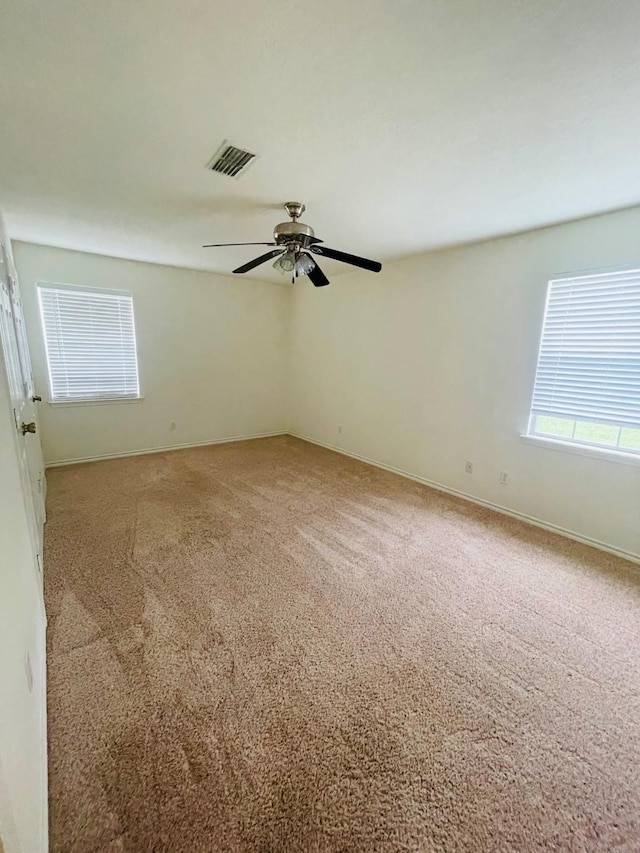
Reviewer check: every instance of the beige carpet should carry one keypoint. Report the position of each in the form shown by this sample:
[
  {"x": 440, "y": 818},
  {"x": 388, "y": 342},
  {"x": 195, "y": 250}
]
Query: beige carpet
[{"x": 265, "y": 646}]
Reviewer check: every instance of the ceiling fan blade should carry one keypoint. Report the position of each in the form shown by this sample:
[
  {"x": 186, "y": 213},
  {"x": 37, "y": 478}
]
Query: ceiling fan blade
[
  {"x": 354, "y": 260},
  {"x": 218, "y": 245},
  {"x": 318, "y": 278},
  {"x": 261, "y": 260}
]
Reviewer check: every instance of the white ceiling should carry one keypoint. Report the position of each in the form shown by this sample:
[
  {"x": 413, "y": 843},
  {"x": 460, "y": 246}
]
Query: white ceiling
[{"x": 402, "y": 125}]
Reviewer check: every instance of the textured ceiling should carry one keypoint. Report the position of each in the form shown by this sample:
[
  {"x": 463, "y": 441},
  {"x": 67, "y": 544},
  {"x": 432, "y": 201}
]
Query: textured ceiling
[{"x": 402, "y": 125}]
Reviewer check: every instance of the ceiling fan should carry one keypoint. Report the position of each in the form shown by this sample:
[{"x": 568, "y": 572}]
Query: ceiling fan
[{"x": 295, "y": 242}]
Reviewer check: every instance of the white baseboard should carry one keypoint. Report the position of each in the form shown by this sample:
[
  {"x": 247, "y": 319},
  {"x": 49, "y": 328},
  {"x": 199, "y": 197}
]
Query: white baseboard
[
  {"x": 529, "y": 519},
  {"x": 145, "y": 450}
]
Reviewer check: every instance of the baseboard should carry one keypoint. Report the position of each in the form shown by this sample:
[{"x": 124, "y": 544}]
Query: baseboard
[
  {"x": 146, "y": 450},
  {"x": 529, "y": 519}
]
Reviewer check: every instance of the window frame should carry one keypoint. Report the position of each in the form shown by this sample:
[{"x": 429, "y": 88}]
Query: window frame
[
  {"x": 95, "y": 400},
  {"x": 610, "y": 453}
]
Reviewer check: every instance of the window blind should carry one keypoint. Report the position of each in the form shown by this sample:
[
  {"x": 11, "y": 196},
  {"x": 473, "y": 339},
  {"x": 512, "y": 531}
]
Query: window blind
[
  {"x": 589, "y": 362},
  {"x": 90, "y": 343}
]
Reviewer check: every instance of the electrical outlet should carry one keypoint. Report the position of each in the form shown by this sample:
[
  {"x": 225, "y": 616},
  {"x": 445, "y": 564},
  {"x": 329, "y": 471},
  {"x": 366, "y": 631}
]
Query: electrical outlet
[
  {"x": 469, "y": 467},
  {"x": 504, "y": 477},
  {"x": 172, "y": 425},
  {"x": 339, "y": 429}
]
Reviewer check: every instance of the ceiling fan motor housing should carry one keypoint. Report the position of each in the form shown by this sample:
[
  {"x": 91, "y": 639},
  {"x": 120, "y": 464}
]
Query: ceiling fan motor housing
[{"x": 292, "y": 232}]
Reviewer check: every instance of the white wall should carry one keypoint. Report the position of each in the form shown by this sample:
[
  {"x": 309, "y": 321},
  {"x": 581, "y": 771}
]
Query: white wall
[
  {"x": 211, "y": 353},
  {"x": 23, "y": 756},
  {"x": 432, "y": 362}
]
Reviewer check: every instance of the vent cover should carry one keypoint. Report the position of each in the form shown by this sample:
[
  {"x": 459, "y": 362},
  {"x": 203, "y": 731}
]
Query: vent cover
[{"x": 231, "y": 160}]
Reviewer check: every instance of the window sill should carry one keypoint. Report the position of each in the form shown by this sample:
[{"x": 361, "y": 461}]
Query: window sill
[
  {"x": 602, "y": 453},
  {"x": 93, "y": 401}
]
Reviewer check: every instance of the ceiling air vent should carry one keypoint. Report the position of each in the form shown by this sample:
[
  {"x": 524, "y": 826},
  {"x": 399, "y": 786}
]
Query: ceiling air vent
[{"x": 230, "y": 160}]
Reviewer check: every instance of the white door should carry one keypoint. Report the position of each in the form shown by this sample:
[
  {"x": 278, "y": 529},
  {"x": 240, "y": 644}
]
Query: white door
[
  {"x": 18, "y": 364},
  {"x": 34, "y": 448}
]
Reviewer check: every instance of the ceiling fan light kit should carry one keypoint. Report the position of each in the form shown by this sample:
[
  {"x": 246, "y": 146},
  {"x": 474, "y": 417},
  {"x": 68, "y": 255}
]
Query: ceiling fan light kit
[
  {"x": 295, "y": 241},
  {"x": 304, "y": 264}
]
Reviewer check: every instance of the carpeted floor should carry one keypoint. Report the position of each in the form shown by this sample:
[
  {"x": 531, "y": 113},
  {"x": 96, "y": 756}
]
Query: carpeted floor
[{"x": 265, "y": 646}]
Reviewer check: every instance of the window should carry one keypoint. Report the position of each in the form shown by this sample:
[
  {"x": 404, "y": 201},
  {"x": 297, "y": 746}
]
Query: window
[
  {"x": 90, "y": 343},
  {"x": 587, "y": 388}
]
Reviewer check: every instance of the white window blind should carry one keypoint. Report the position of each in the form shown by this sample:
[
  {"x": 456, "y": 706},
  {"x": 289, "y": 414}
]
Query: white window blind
[
  {"x": 589, "y": 362},
  {"x": 90, "y": 343}
]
